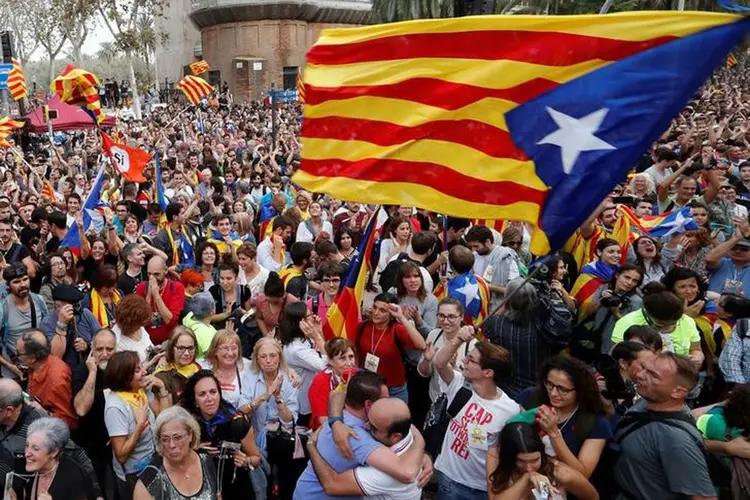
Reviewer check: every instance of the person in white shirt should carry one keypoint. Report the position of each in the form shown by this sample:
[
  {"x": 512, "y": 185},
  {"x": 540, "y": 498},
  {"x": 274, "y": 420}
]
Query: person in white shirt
[
  {"x": 462, "y": 462},
  {"x": 496, "y": 264},
  {"x": 450, "y": 314},
  {"x": 271, "y": 251},
  {"x": 389, "y": 422}
]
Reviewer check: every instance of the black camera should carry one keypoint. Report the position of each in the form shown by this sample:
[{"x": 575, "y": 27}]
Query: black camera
[{"x": 613, "y": 300}]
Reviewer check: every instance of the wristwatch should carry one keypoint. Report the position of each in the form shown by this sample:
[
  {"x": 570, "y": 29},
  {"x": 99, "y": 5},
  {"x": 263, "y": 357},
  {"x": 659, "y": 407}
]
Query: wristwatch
[{"x": 333, "y": 420}]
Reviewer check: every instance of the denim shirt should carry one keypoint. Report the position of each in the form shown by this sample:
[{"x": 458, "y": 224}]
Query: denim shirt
[{"x": 253, "y": 387}]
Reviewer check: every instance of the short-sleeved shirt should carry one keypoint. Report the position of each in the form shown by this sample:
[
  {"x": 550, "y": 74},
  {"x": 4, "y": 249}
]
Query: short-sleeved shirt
[
  {"x": 51, "y": 383},
  {"x": 86, "y": 327},
  {"x": 387, "y": 346},
  {"x": 678, "y": 341},
  {"x": 95, "y": 439},
  {"x": 438, "y": 339},
  {"x": 15, "y": 322},
  {"x": 661, "y": 461},
  {"x": 90, "y": 265},
  {"x": 379, "y": 485},
  {"x": 173, "y": 296},
  {"x": 127, "y": 283},
  {"x": 471, "y": 433},
  {"x": 15, "y": 253},
  {"x": 318, "y": 395},
  {"x": 308, "y": 485},
  {"x": 728, "y": 279},
  {"x": 120, "y": 421}
]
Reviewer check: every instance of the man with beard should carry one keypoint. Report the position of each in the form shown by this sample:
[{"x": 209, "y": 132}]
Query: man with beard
[
  {"x": 496, "y": 264},
  {"x": 662, "y": 450},
  {"x": 89, "y": 402},
  {"x": 13, "y": 252},
  {"x": 19, "y": 312}
]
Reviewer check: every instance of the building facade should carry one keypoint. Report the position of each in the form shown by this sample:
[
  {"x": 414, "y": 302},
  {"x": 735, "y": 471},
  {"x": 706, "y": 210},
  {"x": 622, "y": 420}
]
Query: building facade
[
  {"x": 183, "y": 44},
  {"x": 254, "y": 44}
]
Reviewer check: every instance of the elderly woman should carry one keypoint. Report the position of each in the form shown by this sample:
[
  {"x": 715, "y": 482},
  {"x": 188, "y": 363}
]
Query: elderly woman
[
  {"x": 224, "y": 360},
  {"x": 642, "y": 186},
  {"x": 104, "y": 296},
  {"x": 129, "y": 416},
  {"x": 220, "y": 423},
  {"x": 53, "y": 475},
  {"x": 132, "y": 314},
  {"x": 271, "y": 400},
  {"x": 179, "y": 361},
  {"x": 198, "y": 319},
  {"x": 301, "y": 336},
  {"x": 181, "y": 473}
]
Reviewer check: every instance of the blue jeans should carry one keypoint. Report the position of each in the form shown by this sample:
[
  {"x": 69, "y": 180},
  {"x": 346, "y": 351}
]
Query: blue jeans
[
  {"x": 401, "y": 392},
  {"x": 449, "y": 489}
]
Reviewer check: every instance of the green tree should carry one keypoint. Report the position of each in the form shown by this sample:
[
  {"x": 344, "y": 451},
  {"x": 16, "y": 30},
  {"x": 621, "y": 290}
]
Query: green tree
[{"x": 76, "y": 18}]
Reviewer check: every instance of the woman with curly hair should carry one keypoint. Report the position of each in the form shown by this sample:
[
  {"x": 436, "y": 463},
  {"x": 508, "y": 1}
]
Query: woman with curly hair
[
  {"x": 571, "y": 412},
  {"x": 524, "y": 466},
  {"x": 131, "y": 315}
]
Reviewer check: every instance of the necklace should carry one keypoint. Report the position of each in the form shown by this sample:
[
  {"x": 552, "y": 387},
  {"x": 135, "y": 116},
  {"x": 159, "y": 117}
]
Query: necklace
[{"x": 567, "y": 420}]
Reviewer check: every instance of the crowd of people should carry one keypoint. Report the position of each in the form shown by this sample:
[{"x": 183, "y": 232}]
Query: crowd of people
[{"x": 184, "y": 351}]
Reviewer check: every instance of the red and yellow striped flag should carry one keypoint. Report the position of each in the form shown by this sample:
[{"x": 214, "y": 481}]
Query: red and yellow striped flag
[
  {"x": 195, "y": 88},
  {"x": 498, "y": 225},
  {"x": 199, "y": 67},
  {"x": 47, "y": 190},
  {"x": 300, "y": 89},
  {"x": 476, "y": 117},
  {"x": 17, "y": 81},
  {"x": 731, "y": 61},
  {"x": 8, "y": 125},
  {"x": 77, "y": 87}
]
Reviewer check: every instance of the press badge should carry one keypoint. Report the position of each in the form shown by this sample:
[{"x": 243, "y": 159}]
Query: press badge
[
  {"x": 477, "y": 437},
  {"x": 371, "y": 363},
  {"x": 488, "y": 273}
]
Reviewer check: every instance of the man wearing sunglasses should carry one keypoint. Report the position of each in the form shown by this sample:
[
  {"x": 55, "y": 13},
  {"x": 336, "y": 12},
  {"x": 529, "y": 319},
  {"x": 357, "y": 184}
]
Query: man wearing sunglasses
[{"x": 729, "y": 262}]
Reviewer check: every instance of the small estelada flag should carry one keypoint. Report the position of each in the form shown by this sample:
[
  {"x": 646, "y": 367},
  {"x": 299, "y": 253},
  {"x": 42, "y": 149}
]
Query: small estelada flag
[
  {"x": 130, "y": 162},
  {"x": 199, "y": 67}
]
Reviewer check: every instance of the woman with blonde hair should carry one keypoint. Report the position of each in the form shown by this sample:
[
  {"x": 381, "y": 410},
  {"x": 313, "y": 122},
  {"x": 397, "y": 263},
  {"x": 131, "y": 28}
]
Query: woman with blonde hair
[
  {"x": 179, "y": 360},
  {"x": 271, "y": 401},
  {"x": 244, "y": 226},
  {"x": 642, "y": 186},
  {"x": 181, "y": 473},
  {"x": 223, "y": 358}
]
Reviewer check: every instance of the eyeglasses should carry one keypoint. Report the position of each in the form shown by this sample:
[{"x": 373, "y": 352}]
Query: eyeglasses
[
  {"x": 176, "y": 439},
  {"x": 184, "y": 348},
  {"x": 331, "y": 280},
  {"x": 451, "y": 317},
  {"x": 228, "y": 348},
  {"x": 563, "y": 391}
]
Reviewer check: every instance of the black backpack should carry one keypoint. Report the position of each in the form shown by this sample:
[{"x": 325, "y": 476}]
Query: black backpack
[
  {"x": 388, "y": 276},
  {"x": 439, "y": 418}
]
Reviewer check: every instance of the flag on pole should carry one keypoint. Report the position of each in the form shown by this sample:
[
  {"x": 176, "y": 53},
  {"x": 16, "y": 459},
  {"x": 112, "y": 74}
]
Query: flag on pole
[
  {"x": 92, "y": 217},
  {"x": 300, "y": 89},
  {"x": 130, "y": 162},
  {"x": 48, "y": 191},
  {"x": 345, "y": 313},
  {"x": 77, "y": 87},
  {"x": 506, "y": 117},
  {"x": 195, "y": 88},
  {"x": 17, "y": 81},
  {"x": 7, "y": 126},
  {"x": 199, "y": 67}
]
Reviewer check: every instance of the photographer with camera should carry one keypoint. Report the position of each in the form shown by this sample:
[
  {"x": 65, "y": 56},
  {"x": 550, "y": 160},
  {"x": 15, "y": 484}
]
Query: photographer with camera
[{"x": 70, "y": 327}]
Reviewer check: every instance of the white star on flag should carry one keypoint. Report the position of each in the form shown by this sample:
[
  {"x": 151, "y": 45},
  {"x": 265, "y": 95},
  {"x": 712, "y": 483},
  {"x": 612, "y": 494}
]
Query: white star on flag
[
  {"x": 576, "y": 135},
  {"x": 677, "y": 225},
  {"x": 470, "y": 291}
]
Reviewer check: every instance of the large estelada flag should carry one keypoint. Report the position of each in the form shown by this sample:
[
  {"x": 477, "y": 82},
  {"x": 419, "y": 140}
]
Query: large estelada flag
[
  {"x": 194, "y": 88},
  {"x": 17, "y": 81},
  {"x": 531, "y": 118},
  {"x": 129, "y": 161},
  {"x": 78, "y": 87}
]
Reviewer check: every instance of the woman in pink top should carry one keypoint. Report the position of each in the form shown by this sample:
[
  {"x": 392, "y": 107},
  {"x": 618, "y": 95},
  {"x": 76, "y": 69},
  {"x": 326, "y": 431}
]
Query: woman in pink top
[
  {"x": 330, "y": 275},
  {"x": 270, "y": 303}
]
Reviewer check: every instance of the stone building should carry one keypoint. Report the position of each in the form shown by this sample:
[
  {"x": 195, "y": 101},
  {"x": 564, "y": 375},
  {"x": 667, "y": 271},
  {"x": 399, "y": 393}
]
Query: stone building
[{"x": 252, "y": 44}]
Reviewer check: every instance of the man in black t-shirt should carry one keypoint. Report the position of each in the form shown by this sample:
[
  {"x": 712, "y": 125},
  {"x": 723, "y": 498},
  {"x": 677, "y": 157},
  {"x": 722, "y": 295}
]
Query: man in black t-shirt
[
  {"x": 135, "y": 259},
  {"x": 13, "y": 252}
]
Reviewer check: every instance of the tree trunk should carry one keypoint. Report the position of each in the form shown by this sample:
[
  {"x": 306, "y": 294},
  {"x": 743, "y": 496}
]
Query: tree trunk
[
  {"x": 51, "y": 69},
  {"x": 134, "y": 87},
  {"x": 607, "y": 5},
  {"x": 77, "y": 54}
]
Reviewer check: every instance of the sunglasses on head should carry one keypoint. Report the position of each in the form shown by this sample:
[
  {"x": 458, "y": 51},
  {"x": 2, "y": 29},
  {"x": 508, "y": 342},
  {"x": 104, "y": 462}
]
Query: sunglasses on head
[{"x": 14, "y": 273}]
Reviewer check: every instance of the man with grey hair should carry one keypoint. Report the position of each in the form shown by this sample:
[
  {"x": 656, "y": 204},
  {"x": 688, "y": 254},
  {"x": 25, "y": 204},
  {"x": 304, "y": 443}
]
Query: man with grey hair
[
  {"x": 135, "y": 259},
  {"x": 15, "y": 418},
  {"x": 49, "y": 376},
  {"x": 198, "y": 319}
]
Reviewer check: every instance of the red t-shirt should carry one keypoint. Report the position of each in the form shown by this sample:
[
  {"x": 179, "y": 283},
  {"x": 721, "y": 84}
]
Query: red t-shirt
[
  {"x": 173, "y": 296},
  {"x": 384, "y": 345},
  {"x": 320, "y": 390}
]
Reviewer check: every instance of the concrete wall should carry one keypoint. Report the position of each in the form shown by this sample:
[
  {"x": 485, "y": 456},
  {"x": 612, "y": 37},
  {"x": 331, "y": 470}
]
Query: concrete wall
[{"x": 183, "y": 38}]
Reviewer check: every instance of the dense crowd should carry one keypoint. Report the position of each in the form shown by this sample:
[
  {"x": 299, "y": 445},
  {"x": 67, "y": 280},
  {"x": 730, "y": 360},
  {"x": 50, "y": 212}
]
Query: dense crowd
[{"x": 183, "y": 351}]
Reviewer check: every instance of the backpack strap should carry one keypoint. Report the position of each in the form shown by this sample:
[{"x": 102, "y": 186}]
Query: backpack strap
[
  {"x": 459, "y": 401},
  {"x": 635, "y": 421}
]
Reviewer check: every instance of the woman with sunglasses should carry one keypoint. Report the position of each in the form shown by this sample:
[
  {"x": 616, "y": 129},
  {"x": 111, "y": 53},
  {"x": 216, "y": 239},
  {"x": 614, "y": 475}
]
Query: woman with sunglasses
[
  {"x": 571, "y": 412},
  {"x": 665, "y": 312}
]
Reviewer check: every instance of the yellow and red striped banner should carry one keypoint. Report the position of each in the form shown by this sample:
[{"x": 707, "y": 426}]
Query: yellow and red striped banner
[
  {"x": 77, "y": 87},
  {"x": 17, "y": 81},
  {"x": 417, "y": 109},
  {"x": 47, "y": 190},
  {"x": 194, "y": 88},
  {"x": 8, "y": 125},
  {"x": 731, "y": 61},
  {"x": 199, "y": 67},
  {"x": 300, "y": 89}
]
